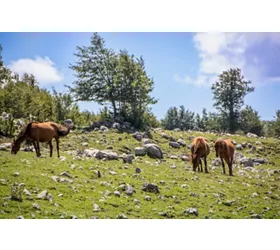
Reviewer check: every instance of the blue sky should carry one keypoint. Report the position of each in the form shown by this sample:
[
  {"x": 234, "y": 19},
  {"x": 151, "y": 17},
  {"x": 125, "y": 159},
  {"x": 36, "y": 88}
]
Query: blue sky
[{"x": 183, "y": 65}]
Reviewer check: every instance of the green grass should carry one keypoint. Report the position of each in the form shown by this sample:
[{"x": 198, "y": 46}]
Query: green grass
[{"x": 215, "y": 195}]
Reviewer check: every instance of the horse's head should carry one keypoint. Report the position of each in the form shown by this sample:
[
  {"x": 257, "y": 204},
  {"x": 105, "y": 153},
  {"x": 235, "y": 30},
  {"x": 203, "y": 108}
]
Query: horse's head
[
  {"x": 194, "y": 160},
  {"x": 15, "y": 147}
]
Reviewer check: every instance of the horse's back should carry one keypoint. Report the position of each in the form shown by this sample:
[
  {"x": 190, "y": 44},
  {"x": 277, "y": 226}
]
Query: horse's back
[{"x": 44, "y": 131}]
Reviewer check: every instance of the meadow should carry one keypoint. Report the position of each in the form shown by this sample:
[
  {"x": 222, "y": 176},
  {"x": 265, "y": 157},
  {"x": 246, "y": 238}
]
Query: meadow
[{"x": 82, "y": 187}]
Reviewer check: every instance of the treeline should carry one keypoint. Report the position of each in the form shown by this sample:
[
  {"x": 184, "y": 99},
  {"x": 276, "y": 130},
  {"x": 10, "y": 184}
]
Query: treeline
[{"x": 119, "y": 82}]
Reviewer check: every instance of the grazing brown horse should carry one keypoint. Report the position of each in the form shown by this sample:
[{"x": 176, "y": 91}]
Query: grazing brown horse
[
  {"x": 40, "y": 132},
  {"x": 199, "y": 149},
  {"x": 225, "y": 149}
]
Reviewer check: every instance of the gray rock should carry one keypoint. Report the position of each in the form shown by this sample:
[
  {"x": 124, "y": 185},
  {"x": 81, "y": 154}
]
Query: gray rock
[
  {"x": 176, "y": 129},
  {"x": 251, "y": 135},
  {"x": 20, "y": 217},
  {"x": 3, "y": 182},
  {"x": 238, "y": 147},
  {"x": 247, "y": 162},
  {"x": 43, "y": 195},
  {"x": 104, "y": 128},
  {"x": 146, "y": 141},
  {"x": 16, "y": 174},
  {"x": 5, "y": 146},
  {"x": 66, "y": 174},
  {"x": 165, "y": 136},
  {"x": 138, "y": 170},
  {"x": 182, "y": 142},
  {"x": 260, "y": 160},
  {"x": 129, "y": 190},
  {"x": 147, "y": 198},
  {"x": 96, "y": 208},
  {"x": 117, "y": 193},
  {"x": 174, "y": 144},
  {"x": 173, "y": 166},
  {"x": 255, "y": 216},
  {"x": 107, "y": 154},
  {"x": 121, "y": 216},
  {"x": 154, "y": 151},
  {"x": 138, "y": 136},
  {"x": 112, "y": 172},
  {"x": 149, "y": 187},
  {"x": 173, "y": 157},
  {"x": 216, "y": 162},
  {"x": 26, "y": 192},
  {"x": 85, "y": 144},
  {"x": 128, "y": 158},
  {"x": 140, "y": 151},
  {"x": 192, "y": 211},
  {"x": 36, "y": 206},
  {"x": 116, "y": 125}
]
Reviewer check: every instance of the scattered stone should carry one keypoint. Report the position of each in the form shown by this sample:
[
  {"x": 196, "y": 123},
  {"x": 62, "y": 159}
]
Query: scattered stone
[
  {"x": 20, "y": 217},
  {"x": 109, "y": 147},
  {"x": 63, "y": 158},
  {"x": 140, "y": 151},
  {"x": 36, "y": 206},
  {"x": 117, "y": 193},
  {"x": 43, "y": 195},
  {"x": 255, "y": 216},
  {"x": 60, "y": 195},
  {"x": 162, "y": 182},
  {"x": 121, "y": 216},
  {"x": 116, "y": 125},
  {"x": 255, "y": 195},
  {"x": 147, "y": 198},
  {"x": 26, "y": 192},
  {"x": 3, "y": 182},
  {"x": 104, "y": 128},
  {"x": 228, "y": 203},
  {"x": 74, "y": 217},
  {"x": 122, "y": 187},
  {"x": 138, "y": 170},
  {"x": 5, "y": 146},
  {"x": 173, "y": 166},
  {"x": 173, "y": 157},
  {"x": 129, "y": 190},
  {"x": 138, "y": 136},
  {"x": 153, "y": 151},
  {"x": 185, "y": 158},
  {"x": 112, "y": 172},
  {"x": 96, "y": 208},
  {"x": 182, "y": 142},
  {"x": 128, "y": 158},
  {"x": 238, "y": 147},
  {"x": 16, "y": 174},
  {"x": 146, "y": 141},
  {"x": 66, "y": 174},
  {"x": 184, "y": 186},
  {"x": 216, "y": 162},
  {"x": 174, "y": 144},
  {"x": 191, "y": 211},
  {"x": 149, "y": 187},
  {"x": 251, "y": 135},
  {"x": 85, "y": 144},
  {"x": 165, "y": 136}
]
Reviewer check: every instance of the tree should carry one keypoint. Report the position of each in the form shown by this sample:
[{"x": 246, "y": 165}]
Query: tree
[
  {"x": 95, "y": 71},
  {"x": 250, "y": 121},
  {"x": 229, "y": 93},
  {"x": 116, "y": 79}
]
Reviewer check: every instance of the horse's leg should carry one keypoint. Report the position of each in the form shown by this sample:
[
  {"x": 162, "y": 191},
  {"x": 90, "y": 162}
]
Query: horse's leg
[
  {"x": 38, "y": 148},
  {"x": 51, "y": 148},
  {"x": 200, "y": 165},
  {"x": 205, "y": 163},
  {"x": 223, "y": 164},
  {"x": 57, "y": 146},
  {"x": 230, "y": 166},
  {"x": 35, "y": 146}
]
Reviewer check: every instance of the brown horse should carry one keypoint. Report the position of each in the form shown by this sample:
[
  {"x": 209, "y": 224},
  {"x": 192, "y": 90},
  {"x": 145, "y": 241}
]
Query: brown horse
[
  {"x": 225, "y": 149},
  {"x": 199, "y": 149},
  {"x": 40, "y": 132}
]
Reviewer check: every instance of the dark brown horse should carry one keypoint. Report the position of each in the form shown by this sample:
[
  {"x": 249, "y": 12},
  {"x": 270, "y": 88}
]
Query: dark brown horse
[
  {"x": 40, "y": 132},
  {"x": 199, "y": 149},
  {"x": 225, "y": 150}
]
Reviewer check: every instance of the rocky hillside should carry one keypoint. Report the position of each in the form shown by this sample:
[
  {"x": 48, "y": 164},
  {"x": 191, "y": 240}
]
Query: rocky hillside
[{"x": 110, "y": 174}]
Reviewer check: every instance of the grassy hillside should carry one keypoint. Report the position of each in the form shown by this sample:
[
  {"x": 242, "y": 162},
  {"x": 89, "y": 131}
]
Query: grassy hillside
[{"x": 75, "y": 190}]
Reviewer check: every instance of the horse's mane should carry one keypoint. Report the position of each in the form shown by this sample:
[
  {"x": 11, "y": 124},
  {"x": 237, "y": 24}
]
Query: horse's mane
[
  {"x": 24, "y": 130},
  {"x": 197, "y": 141}
]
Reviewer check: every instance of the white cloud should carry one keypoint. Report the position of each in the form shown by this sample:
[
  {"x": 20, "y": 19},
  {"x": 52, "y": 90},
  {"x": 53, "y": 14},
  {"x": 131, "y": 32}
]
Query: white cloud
[
  {"x": 42, "y": 68},
  {"x": 255, "y": 53}
]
